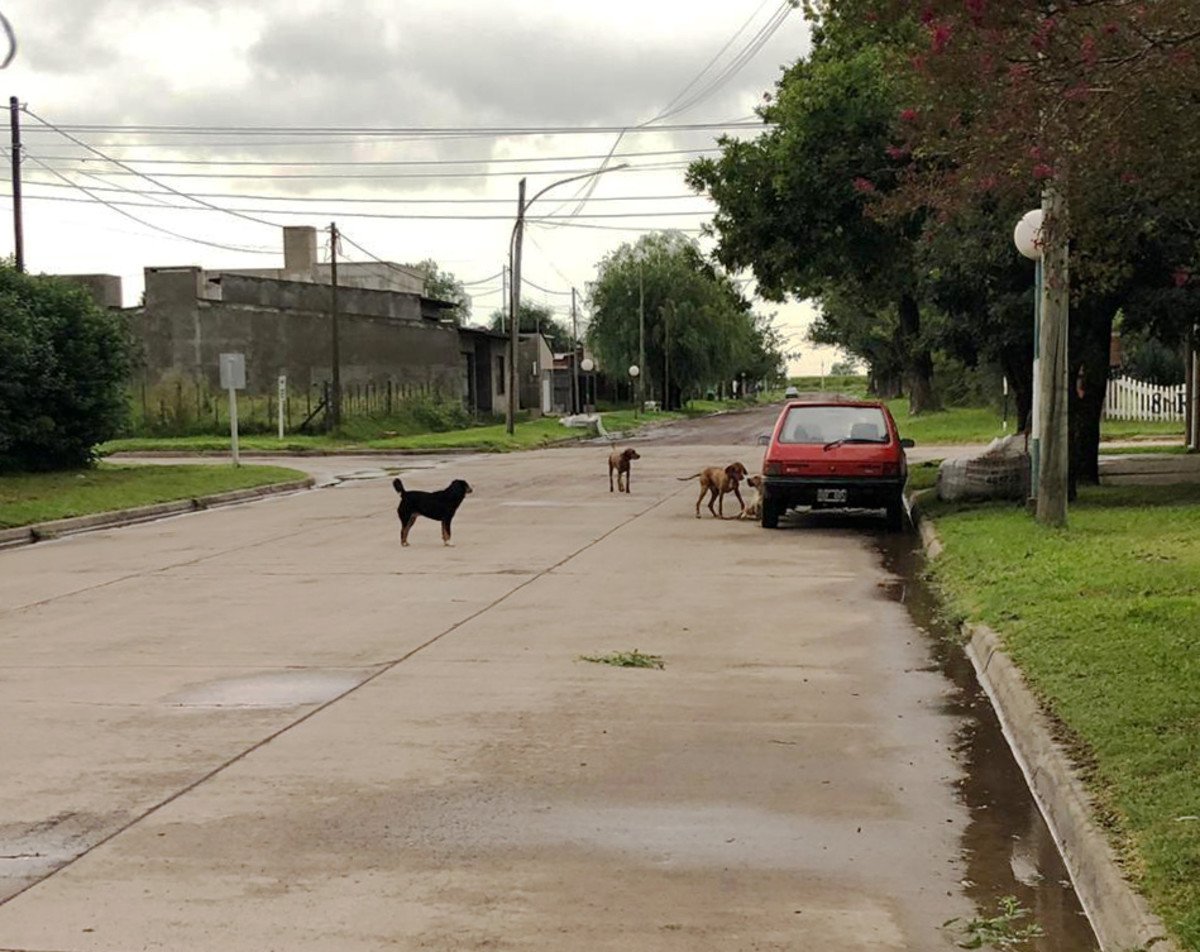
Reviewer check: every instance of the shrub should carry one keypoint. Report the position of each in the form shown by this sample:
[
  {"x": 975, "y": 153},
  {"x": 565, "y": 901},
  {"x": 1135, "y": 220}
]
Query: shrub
[{"x": 63, "y": 366}]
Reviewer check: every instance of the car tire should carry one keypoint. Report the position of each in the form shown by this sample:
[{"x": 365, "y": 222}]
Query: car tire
[
  {"x": 771, "y": 511},
  {"x": 897, "y": 516}
]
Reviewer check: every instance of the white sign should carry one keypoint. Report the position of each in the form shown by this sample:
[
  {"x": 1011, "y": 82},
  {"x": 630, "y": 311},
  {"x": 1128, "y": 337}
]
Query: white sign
[{"x": 233, "y": 371}]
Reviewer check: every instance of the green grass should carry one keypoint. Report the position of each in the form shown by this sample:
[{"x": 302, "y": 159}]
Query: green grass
[
  {"x": 953, "y": 425},
  {"x": 528, "y": 434},
  {"x": 852, "y": 385},
  {"x": 922, "y": 475},
  {"x": 1104, "y": 619},
  {"x": 627, "y": 659},
  {"x": 40, "y": 497},
  {"x": 1177, "y": 448},
  {"x": 1132, "y": 429}
]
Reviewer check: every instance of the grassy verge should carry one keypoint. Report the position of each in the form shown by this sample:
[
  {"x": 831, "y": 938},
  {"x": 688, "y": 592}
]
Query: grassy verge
[
  {"x": 1104, "y": 619},
  {"x": 527, "y": 434},
  {"x": 922, "y": 475},
  {"x": 1135, "y": 429},
  {"x": 40, "y": 497},
  {"x": 953, "y": 425}
]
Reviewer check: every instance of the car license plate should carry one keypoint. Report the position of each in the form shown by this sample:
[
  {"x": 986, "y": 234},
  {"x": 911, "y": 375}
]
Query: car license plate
[{"x": 831, "y": 495}]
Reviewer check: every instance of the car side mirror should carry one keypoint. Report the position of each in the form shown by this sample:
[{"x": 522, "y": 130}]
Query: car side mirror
[
  {"x": 908, "y": 444},
  {"x": 764, "y": 439}
]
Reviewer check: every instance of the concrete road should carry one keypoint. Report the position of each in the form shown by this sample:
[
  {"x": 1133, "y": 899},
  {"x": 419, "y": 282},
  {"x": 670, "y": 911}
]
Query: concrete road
[{"x": 270, "y": 727}]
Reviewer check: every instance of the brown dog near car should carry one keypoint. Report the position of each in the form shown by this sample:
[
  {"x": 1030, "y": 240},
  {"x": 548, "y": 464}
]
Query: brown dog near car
[
  {"x": 753, "y": 507},
  {"x": 618, "y": 462},
  {"x": 716, "y": 481}
]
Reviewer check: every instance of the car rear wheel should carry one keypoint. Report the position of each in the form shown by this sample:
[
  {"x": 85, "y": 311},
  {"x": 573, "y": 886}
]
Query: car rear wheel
[
  {"x": 771, "y": 512},
  {"x": 896, "y": 516}
]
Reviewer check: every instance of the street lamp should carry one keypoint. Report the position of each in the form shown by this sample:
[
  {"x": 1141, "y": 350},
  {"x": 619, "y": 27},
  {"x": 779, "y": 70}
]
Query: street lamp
[
  {"x": 587, "y": 365},
  {"x": 1027, "y": 236},
  {"x": 634, "y": 372},
  {"x": 514, "y": 260}
]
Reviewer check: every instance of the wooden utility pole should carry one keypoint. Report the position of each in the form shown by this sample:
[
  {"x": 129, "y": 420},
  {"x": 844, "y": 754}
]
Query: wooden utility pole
[
  {"x": 575, "y": 356},
  {"x": 335, "y": 386},
  {"x": 641, "y": 340},
  {"x": 505, "y": 298},
  {"x": 668, "y": 308},
  {"x": 1052, "y": 384},
  {"x": 14, "y": 117},
  {"x": 514, "y": 319}
]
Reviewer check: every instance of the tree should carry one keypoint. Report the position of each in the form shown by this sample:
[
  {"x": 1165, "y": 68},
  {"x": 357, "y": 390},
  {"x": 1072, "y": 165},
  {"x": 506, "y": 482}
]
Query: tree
[
  {"x": 700, "y": 330},
  {"x": 1087, "y": 101},
  {"x": 444, "y": 286},
  {"x": 844, "y": 368},
  {"x": 537, "y": 318},
  {"x": 64, "y": 363},
  {"x": 796, "y": 205}
]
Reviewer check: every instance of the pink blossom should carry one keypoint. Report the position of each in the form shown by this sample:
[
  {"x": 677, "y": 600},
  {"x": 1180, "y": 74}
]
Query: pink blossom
[
  {"x": 939, "y": 37},
  {"x": 863, "y": 186},
  {"x": 897, "y": 152},
  {"x": 1043, "y": 171},
  {"x": 908, "y": 115},
  {"x": 1181, "y": 276}
]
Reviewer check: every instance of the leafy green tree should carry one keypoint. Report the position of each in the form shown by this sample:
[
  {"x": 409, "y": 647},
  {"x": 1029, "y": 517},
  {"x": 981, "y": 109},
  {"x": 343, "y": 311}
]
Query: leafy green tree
[
  {"x": 700, "y": 330},
  {"x": 444, "y": 286},
  {"x": 64, "y": 364},
  {"x": 537, "y": 318},
  {"x": 797, "y": 204}
]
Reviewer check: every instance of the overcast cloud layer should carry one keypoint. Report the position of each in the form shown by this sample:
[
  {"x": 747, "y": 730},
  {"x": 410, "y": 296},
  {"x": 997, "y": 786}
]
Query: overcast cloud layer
[{"x": 375, "y": 64}]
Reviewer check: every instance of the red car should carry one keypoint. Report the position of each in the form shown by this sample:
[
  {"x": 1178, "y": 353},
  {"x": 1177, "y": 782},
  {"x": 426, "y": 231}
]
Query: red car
[{"x": 843, "y": 455}]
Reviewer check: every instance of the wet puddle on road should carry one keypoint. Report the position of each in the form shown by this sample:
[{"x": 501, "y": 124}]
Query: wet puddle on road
[
  {"x": 275, "y": 689},
  {"x": 1007, "y": 848}
]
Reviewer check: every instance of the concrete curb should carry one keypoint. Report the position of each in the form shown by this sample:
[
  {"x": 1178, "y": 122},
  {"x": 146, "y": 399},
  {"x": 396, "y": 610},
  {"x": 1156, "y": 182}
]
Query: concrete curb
[
  {"x": 24, "y": 535},
  {"x": 1119, "y": 916}
]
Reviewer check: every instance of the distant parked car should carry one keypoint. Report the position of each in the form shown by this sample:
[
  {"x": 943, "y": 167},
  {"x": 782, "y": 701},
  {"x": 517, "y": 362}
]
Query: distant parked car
[
  {"x": 791, "y": 393},
  {"x": 845, "y": 455}
]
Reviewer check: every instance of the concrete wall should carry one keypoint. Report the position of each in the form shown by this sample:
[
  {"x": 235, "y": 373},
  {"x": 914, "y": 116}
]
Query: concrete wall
[
  {"x": 284, "y": 327},
  {"x": 105, "y": 289}
]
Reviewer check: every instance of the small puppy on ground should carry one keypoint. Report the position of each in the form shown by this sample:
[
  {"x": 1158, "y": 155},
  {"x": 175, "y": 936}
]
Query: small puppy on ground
[
  {"x": 441, "y": 505},
  {"x": 753, "y": 508},
  {"x": 716, "y": 482},
  {"x": 618, "y": 462}
]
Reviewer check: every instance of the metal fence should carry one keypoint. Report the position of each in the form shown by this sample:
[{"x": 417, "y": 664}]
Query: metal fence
[{"x": 1130, "y": 399}]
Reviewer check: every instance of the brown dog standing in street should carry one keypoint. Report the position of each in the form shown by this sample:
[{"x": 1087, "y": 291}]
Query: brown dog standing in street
[
  {"x": 618, "y": 462},
  {"x": 716, "y": 482}
]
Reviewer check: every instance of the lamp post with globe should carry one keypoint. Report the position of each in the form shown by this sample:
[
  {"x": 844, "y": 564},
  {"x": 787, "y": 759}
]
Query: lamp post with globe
[
  {"x": 1027, "y": 236},
  {"x": 634, "y": 372},
  {"x": 587, "y": 365}
]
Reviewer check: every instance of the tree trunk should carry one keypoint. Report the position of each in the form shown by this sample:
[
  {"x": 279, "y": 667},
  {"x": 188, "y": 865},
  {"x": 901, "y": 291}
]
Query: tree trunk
[
  {"x": 918, "y": 361},
  {"x": 1092, "y": 328}
]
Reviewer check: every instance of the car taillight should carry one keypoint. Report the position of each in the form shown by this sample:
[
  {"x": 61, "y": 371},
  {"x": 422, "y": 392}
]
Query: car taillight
[
  {"x": 773, "y": 469},
  {"x": 891, "y": 469}
]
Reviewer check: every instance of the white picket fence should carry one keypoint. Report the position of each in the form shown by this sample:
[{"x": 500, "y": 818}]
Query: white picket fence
[{"x": 1130, "y": 399}]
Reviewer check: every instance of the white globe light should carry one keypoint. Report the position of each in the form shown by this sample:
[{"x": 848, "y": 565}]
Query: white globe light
[
  {"x": 1027, "y": 236},
  {"x": 586, "y": 365},
  {"x": 634, "y": 370}
]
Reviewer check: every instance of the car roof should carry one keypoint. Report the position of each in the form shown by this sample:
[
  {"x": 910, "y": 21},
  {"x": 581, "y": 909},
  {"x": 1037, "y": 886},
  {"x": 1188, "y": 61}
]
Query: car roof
[{"x": 879, "y": 404}]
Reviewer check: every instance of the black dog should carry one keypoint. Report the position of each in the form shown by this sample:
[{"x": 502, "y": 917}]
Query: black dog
[{"x": 441, "y": 506}]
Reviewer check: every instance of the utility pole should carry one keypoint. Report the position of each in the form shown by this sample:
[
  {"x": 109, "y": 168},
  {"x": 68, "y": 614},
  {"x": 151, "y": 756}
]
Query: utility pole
[
  {"x": 335, "y": 387},
  {"x": 641, "y": 338},
  {"x": 14, "y": 116},
  {"x": 667, "y": 311},
  {"x": 514, "y": 318},
  {"x": 575, "y": 356},
  {"x": 1052, "y": 384},
  {"x": 505, "y": 300}
]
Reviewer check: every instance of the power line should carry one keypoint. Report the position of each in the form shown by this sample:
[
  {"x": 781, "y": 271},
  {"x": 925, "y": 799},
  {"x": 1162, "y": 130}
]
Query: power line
[
  {"x": 387, "y": 131},
  {"x": 383, "y": 176},
  {"x": 387, "y": 162},
  {"x": 307, "y": 199},
  {"x": 383, "y": 216},
  {"x": 151, "y": 225},
  {"x": 162, "y": 185}
]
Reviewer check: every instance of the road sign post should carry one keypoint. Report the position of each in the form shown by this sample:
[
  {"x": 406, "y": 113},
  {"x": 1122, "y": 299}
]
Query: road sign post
[
  {"x": 233, "y": 379},
  {"x": 282, "y": 401}
]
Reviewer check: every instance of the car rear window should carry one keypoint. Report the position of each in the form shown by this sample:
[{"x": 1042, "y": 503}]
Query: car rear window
[{"x": 828, "y": 424}]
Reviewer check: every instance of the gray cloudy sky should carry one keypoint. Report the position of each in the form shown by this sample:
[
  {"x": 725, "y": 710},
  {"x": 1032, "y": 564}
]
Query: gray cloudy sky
[{"x": 378, "y": 64}]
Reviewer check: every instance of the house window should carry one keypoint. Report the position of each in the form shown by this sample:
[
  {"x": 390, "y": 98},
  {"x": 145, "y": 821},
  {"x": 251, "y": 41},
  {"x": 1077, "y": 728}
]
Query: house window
[{"x": 499, "y": 375}]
